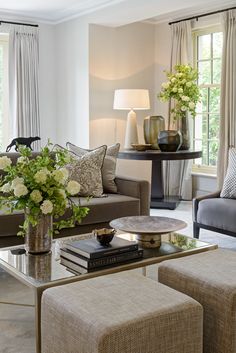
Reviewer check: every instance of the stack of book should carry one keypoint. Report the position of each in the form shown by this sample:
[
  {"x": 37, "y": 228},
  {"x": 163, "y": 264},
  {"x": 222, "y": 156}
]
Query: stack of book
[{"x": 88, "y": 255}]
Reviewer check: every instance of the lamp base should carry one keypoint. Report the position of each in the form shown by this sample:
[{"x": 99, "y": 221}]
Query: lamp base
[{"x": 131, "y": 134}]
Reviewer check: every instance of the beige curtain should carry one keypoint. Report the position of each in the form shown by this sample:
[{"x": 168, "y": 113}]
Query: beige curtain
[
  {"x": 228, "y": 93},
  {"x": 177, "y": 174},
  {"x": 23, "y": 81}
]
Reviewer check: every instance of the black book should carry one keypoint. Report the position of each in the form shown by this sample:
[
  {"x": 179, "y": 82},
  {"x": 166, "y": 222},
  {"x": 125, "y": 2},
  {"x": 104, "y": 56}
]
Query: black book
[
  {"x": 102, "y": 261},
  {"x": 92, "y": 249}
]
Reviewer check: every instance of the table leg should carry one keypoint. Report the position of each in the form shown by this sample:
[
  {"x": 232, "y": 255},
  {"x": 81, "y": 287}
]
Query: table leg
[
  {"x": 38, "y": 297},
  {"x": 158, "y": 200}
]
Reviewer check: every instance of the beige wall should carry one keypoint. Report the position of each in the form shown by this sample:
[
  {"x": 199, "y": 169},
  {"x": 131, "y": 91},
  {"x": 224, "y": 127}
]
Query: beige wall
[{"x": 120, "y": 57}]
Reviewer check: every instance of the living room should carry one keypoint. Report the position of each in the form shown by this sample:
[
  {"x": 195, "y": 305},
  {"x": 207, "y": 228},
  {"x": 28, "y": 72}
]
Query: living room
[{"x": 83, "y": 54}]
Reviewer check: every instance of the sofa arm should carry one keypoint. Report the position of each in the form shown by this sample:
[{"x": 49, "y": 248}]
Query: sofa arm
[
  {"x": 135, "y": 188},
  {"x": 200, "y": 198}
]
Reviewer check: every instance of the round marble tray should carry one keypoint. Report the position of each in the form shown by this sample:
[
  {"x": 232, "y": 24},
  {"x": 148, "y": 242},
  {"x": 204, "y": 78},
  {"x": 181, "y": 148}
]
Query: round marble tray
[{"x": 147, "y": 224}]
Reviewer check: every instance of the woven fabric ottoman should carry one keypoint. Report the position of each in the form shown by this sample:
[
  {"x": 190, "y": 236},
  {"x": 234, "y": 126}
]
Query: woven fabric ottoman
[
  {"x": 209, "y": 278},
  {"x": 120, "y": 313}
]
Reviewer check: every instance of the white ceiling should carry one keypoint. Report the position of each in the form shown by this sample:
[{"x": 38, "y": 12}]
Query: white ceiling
[{"x": 106, "y": 12}]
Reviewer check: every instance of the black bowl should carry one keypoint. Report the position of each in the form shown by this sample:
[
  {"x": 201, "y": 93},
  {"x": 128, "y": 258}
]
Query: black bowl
[{"x": 104, "y": 236}]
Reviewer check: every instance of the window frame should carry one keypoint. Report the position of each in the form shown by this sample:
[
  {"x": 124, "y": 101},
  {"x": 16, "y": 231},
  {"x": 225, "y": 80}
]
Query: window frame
[{"x": 201, "y": 168}]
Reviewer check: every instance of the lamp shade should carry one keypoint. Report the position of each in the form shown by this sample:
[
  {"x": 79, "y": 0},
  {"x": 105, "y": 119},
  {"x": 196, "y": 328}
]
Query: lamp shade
[{"x": 126, "y": 99}]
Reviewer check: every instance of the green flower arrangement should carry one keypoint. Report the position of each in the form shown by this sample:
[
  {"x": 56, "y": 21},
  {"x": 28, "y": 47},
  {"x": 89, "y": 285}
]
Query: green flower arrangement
[
  {"x": 182, "y": 87},
  {"x": 40, "y": 185}
]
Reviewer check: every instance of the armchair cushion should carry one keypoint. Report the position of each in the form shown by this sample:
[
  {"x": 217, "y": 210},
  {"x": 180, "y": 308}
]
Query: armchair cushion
[
  {"x": 229, "y": 186},
  {"x": 218, "y": 213}
]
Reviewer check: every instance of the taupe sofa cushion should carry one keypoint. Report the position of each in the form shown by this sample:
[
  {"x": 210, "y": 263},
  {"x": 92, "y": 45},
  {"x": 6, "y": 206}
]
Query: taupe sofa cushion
[{"x": 218, "y": 212}]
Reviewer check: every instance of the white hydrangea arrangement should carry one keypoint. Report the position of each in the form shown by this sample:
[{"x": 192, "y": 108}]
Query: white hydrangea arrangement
[
  {"x": 41, "y": 186},
  {"x": 182, "y": 87}
]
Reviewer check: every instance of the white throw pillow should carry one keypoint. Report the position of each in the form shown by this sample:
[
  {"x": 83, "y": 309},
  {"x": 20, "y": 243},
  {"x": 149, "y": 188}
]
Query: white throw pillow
[{"x": 229, "y": 186}]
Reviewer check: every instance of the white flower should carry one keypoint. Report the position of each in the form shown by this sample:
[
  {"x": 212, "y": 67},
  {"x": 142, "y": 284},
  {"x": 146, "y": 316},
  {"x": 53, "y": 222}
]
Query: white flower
[
  {"x": 175, "y": 89},
  {"x": 165, "y": 84},
  {"x": 185, "y": 98},
  {"x": 61, "y": 175},
  {"x": 73, "y": 187},
  {"x": 46, "y": 207},
  {"x": 6, "y": 187},
  {"x": 179, "y": 74},
  {"x": 183, "y": 108},
  {"x": 62, "y": 193},
  {"x": 173, "y": 79},
  {"x": 5, "y": 162},
  {"x": 183, "y": 81},
  {"x": 22, "y": 159},
  {"x": 189, "y": 84},
  {"x": 36, "y": 196},
  {"x": 41, "y": 176},
  {"x": 191, "y": 105},
  {"x": 16, "y": 182},
  {"x": 180, "y": 90},
  {"x": 20, "y": 190}
]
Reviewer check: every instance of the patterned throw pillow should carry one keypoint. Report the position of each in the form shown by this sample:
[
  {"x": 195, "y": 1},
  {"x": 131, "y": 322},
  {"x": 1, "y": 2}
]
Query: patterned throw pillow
[
  {"x": 108, "y": 168},
  {"x": 229, "y": 186},
  {"x": 86, "y": 170}
]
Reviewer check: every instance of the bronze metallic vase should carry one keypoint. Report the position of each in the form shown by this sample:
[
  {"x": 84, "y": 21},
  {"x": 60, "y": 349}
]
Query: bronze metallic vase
[
  {"x": 152, "y": 125},
  {"x": 169, "y": 140},
  {"x": 38, "y": 239}
]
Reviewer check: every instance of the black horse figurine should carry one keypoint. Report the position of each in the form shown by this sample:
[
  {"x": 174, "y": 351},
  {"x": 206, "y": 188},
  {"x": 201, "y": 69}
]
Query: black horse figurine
[{"x": 26, "y": 141}]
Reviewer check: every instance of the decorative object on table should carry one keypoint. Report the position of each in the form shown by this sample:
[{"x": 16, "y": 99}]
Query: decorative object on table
[
  {"x": 181, "y": 86},
  {"x": 89, "y": 255},
  {"x": 141, "y": 147},
  {"x": 22, "y": 141},
  {"x": 148, "y": 229},
  {"x": 104, "y": 236},
  {"x": 131, "y": 99},
  {"x": 39, "y": 267},
  {"x": 108, "y": 167},
  {"x": 169, "y": 140},
  {"x": 41, "y": 187},
  {"x": 152, "y": 125}
]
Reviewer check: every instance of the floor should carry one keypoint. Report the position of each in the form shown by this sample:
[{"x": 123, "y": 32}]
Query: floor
[{"x": 17, "y": 323}]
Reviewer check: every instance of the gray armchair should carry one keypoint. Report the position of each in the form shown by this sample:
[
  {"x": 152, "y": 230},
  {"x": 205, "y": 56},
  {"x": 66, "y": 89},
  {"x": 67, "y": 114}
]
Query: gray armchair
[{"x": 214, "y": 213}]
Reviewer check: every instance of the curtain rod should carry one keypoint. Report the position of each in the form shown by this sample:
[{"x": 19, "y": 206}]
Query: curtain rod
[
  {"x": 18, "y": 23},
  {"x": 202, "y": 15}
]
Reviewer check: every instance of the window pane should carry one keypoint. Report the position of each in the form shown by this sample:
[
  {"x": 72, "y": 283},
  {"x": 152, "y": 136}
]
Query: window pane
[
  {"x": 214, "y": 99},
  {"x": 217, "y": 44},
  {"x": 213, "y": 151},
  {"x": 216, "y": 70},
  {"x": 1, "y": 96},
  {"x": 200, "y": 126},
  {"x": 204, "y": 47},
  {"x": 204, "y": 71},
  {"x": 205, "y": 151},
  {"x": 214, "y": 123},
  {"x": 202, "y": 106}
]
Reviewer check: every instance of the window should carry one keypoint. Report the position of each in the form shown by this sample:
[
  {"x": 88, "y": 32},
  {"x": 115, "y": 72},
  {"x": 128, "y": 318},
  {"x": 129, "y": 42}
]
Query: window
[
  {"x": 4, "y": 121},
  {"x": 207, "y": 55}
]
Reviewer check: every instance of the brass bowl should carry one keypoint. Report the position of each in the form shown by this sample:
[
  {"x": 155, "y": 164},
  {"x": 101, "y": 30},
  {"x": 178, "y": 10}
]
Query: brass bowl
[
  {"x": 104, "y": 236},
  {"x": 141, "y": 147}
]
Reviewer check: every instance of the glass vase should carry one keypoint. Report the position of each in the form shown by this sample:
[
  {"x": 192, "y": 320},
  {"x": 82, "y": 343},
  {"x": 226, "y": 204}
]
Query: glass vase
[
  {"x": 38, "y": 239},
  {"x": 185, "y": 132}
]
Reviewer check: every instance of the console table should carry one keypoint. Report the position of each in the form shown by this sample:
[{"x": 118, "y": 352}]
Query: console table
[{"x": 158, "y": 199}]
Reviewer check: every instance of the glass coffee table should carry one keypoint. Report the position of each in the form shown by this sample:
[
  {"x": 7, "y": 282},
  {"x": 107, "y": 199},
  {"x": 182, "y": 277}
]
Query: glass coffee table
[{"x": 44, "y": 271}]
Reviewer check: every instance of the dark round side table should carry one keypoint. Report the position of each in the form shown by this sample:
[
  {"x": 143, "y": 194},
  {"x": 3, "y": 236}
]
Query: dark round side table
[{"x": 158, "y": 199}]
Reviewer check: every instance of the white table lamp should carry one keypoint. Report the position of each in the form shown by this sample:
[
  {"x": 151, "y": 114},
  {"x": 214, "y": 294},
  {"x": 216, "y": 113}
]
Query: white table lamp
[{"x": 130, "y": 99}]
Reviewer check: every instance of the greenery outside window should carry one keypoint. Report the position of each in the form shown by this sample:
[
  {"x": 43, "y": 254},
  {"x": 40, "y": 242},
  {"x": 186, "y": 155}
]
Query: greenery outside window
[
  {"x": 207, "y": 59},
  {"x": 4, "y": 96}
]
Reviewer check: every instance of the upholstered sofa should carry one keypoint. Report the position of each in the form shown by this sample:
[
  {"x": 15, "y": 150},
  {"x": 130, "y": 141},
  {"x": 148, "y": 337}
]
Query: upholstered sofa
[{"x": 132, "y": 198}]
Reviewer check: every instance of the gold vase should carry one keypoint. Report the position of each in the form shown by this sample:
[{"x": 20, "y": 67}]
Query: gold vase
[
  {"x": 38, "y": 239},
  {"x": 152, "y": 125}
]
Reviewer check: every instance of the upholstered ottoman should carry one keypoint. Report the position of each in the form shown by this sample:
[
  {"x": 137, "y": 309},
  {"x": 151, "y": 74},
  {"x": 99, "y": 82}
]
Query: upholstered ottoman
[
  {"x": 209, "y": 278},
  {"x": 120, "y": 313}
]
